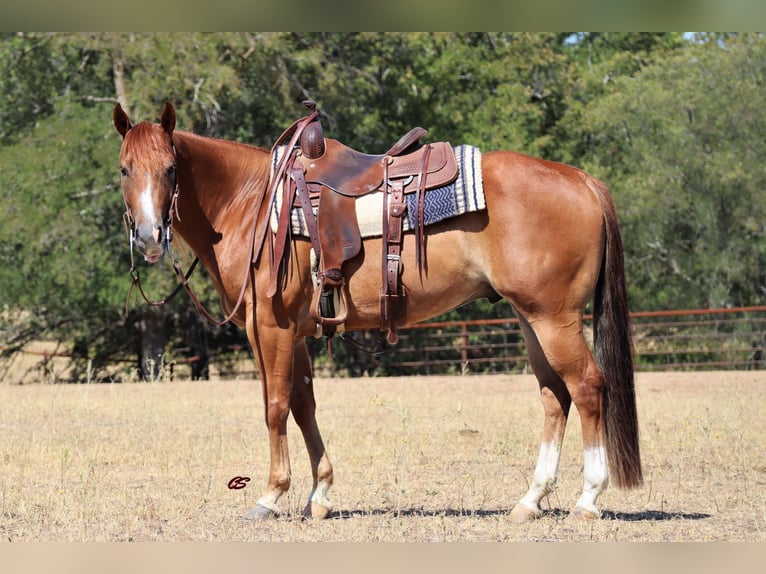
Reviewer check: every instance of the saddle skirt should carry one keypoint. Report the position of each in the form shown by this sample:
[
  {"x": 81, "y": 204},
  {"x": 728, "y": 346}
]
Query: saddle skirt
[{"x": 465, "y": 194}]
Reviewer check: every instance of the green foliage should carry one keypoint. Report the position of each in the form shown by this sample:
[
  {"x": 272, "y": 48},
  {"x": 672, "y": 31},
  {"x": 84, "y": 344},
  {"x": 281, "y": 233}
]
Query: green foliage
[
  {"x": 57, "y": 236},
  {"x": 680, "y": 145},
  {"x": 28, "y": 82},
  {"x": 672, "y": 124}
]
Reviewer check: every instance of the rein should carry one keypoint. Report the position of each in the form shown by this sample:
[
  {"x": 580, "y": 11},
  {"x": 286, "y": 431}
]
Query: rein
[
  {"x": 135, "y": 279},
  {"x": 183, "y": 278}
]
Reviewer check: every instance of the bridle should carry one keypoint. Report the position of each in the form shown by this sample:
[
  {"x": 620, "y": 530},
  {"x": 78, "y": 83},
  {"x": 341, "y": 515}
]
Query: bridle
[
  {"x": 183, "y": 278},
  {"x": 167, "y": 226},
  {"x": 167, "y": 229}
]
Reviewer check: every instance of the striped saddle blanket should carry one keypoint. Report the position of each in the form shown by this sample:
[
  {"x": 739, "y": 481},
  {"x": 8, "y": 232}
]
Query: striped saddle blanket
[{"x": 464, "y": 195}]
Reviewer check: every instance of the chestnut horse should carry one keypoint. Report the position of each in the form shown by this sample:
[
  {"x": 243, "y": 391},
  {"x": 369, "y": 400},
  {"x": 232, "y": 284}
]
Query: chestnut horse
[{"x": 548, "y": 242}]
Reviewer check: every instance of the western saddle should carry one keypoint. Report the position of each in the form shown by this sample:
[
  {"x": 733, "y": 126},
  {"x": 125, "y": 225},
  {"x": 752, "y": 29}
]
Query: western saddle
[{"x": 324, "y": 174}]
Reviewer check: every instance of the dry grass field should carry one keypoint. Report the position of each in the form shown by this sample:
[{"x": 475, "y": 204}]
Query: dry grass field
[{"x": 416, "y": 459}]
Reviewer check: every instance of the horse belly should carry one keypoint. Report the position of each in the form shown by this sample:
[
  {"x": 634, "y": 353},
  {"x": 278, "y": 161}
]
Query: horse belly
[{"x": 449, "y": 280}]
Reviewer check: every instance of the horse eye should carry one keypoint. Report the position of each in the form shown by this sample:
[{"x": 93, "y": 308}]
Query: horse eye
[
  {"x": 123, "y": 171},
  {"x": 172, "y": 171}
]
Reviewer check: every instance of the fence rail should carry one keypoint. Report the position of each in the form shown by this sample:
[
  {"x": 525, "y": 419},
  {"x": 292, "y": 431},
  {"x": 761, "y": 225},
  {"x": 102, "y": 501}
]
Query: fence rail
[{"x": 697, "y": 339}]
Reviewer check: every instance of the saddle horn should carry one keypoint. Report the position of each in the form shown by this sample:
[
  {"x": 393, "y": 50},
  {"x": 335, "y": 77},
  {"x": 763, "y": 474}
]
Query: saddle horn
[{"x": 312, "y": 138}]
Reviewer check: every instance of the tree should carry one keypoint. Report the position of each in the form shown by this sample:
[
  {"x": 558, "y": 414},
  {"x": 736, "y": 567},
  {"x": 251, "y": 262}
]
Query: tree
[
  {"x": 58, "y": 206},
  {"x": 672, "y": 124},
  {"x": 65, "y": 257},
  {"x": 600, "y": 61},
  {"x": 680, "y": 145},
  {"x": 28, "y": 82}
]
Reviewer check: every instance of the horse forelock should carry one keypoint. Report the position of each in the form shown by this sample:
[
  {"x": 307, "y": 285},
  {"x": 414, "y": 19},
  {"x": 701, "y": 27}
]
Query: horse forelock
[{"x": 149, "y": 142}]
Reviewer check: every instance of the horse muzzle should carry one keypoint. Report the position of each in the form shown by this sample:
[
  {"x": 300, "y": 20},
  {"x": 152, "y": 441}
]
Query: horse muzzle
[{"x": 152, "y": 241}]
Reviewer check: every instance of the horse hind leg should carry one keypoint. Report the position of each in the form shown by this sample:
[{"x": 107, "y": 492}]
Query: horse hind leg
[
  {"x": 561, "y": 341},
  {"x": 303, "y": 407},
  {"x": 556, "y": 403}
]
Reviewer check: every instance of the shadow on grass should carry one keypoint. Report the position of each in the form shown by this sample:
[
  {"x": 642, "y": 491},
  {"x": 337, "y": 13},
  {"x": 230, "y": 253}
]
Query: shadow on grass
[
  {"x": 652, "y": 516},
  {"x": 643, "y": 516},
  {"x": 414, "y": 513}
]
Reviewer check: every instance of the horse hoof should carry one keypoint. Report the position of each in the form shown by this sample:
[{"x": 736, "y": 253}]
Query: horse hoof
[
  {"x": 261, "y": 512},
  {"x": 585, "y": 515},
  {"x": 316, "y": 510},
  {"x": 522, "y": 514}
]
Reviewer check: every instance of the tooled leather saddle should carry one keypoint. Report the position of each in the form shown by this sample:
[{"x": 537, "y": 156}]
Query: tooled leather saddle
[{"x": 324, "y": 177}]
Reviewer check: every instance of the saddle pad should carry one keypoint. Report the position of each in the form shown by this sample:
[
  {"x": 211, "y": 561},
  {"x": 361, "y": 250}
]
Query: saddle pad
[{"x": 464, "y": 195}]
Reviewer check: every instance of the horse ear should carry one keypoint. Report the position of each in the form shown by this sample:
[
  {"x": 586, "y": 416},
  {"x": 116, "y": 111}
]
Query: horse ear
[
  {"x": 121, "y": 120},
  {"x": 168, "y": 119}
]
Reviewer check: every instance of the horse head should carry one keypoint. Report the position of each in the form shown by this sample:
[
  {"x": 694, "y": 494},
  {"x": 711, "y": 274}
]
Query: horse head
[{"x": 148, "y": 179}]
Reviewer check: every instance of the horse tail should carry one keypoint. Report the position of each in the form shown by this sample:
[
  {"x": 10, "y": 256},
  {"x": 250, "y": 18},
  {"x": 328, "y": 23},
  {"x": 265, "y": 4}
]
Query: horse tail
[{"x": 614, "y": 353}]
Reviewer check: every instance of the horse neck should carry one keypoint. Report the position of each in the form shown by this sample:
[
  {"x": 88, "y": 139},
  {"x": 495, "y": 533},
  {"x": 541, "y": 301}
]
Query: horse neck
[{"x": 219, "y": 182}]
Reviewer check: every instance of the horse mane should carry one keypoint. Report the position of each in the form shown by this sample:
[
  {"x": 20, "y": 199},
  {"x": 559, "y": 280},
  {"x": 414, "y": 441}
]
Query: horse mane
[
  {"x": 148, "y": 139},
  {"x": 247, "y": 164}
]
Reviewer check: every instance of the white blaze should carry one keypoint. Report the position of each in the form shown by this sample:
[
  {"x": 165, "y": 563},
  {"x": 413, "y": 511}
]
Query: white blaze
[{"x": 147, "y": 206}]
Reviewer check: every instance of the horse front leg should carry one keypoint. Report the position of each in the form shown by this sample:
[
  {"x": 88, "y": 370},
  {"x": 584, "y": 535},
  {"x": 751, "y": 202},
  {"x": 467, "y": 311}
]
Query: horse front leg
[
  {"x": 303, "y": 407},
  {"x": 274, "y": 349}
]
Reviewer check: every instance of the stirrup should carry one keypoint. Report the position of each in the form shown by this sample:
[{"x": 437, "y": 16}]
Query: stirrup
[{"x": 329, "y": 307}]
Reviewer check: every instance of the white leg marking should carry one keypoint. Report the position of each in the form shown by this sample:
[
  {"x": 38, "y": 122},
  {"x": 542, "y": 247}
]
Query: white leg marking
[
  {"x": 596, "y": 477},
  {"x": 319, "y": 496},
  {"x": 544, "y": 478}
]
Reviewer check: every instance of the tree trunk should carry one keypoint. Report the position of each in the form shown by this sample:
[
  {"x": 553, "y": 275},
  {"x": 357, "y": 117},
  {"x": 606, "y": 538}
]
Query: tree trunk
[
  {"x": 195, "y": 334},
  {"x": 118, "y": 68},
  {"x": 151, "y": 334}
]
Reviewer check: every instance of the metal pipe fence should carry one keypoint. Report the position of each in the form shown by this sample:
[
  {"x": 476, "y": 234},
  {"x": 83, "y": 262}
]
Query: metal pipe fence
[
  {"x": 679, "y": 340},
  {"x": 697, "y": 339}
]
